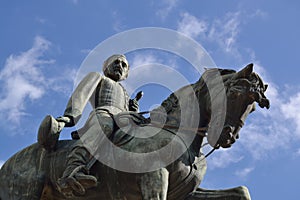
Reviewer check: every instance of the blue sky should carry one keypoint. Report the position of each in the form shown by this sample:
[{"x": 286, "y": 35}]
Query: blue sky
[{"x": 43, "y": 43}]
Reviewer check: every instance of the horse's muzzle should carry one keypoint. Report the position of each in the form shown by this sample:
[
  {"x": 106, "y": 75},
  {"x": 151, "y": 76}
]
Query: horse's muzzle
[{"x": 228, "y": 136}]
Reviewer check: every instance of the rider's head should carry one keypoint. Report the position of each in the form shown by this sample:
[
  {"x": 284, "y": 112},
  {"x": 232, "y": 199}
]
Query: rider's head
[{"x": 116, "y": 67}]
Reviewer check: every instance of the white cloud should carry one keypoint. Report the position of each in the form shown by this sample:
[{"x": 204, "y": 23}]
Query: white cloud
[
  {"x": 222, "y": 31},
  {"x": 191, "y": 26},
  {"x": 62, "y": 81},
  {"x": 223, "y": 158},
  {"x": 291, "y": 111},
  {"x": 242, "y": 173},
  {"x": 225, "y": 31},
  {"x": 262, "y": 136},
  {"x": 23, "y": 80},
  {"x": 166, "y": 7},
  {"x": 142, "y": 59},
  {"x": 259, "y": 13},
  {"x": 118, "y": 24}
]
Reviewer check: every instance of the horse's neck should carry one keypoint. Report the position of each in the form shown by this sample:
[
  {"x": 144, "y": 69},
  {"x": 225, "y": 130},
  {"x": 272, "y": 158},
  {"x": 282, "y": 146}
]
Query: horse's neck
[
  {"x": 188, "y": 114},
  {"x": 187, "y": 107},
  {"x": 195, "y": 147}
]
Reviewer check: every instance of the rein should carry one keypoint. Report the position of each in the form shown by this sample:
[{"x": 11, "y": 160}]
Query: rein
[{"x": 200, "y": 131}]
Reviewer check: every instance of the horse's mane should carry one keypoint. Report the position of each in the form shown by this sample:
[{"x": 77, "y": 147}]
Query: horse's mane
[
  {"x": 171, "y": 107},
  {"x": 200, "y": 86}
]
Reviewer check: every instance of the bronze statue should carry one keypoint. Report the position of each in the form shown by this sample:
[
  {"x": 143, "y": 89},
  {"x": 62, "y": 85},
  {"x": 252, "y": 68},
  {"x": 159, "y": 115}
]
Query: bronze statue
[
  {"x": 33, "y": 172},
  {"x": 109, "y": 98}
]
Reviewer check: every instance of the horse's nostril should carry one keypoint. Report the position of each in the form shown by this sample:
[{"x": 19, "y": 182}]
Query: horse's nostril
[
  {"x": 232, "y": 140},
  {"x": 226, "y": 137},
  {"x": 227, "y": 129}
]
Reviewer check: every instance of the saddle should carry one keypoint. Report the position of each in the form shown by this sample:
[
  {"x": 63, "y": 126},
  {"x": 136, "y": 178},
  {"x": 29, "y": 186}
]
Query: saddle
[
  {"x": 124, "y": 122},
  {"x": 48, "y": 133}
]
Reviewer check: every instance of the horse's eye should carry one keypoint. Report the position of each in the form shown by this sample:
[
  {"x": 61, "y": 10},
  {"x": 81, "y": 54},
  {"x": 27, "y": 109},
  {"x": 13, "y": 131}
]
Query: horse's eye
[
  {"x": 233, "y": 93},
  {"x": 124, "y": 64}
]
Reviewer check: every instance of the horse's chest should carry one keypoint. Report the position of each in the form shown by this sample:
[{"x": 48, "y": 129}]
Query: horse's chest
[
  {"x": 185, "y": 178},
  {"x": 181, "y": 172}
]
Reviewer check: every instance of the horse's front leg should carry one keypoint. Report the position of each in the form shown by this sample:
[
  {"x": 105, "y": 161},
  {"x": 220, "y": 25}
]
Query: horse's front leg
[{"x": 154, "y": 185}]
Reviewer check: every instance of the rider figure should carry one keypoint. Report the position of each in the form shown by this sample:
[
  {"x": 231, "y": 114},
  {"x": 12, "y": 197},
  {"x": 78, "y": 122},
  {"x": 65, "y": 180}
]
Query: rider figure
[{"x": 108, "y": 98}]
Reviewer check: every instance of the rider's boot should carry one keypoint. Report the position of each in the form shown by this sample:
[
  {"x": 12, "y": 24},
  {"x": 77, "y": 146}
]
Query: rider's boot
[{"x": 75, "y": 177}]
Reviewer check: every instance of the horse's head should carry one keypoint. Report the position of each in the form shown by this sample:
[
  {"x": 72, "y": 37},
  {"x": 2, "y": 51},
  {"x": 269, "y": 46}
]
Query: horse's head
[
  {"x": 241, "y": 90},
  {"x": 224, "y": 99}
]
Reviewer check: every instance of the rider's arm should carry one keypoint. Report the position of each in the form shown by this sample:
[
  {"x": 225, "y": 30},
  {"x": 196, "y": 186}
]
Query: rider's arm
[{"x": 80, "y": 97}]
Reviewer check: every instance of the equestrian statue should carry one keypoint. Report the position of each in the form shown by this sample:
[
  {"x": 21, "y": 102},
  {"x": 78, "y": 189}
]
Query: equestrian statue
[{"x": 120, "y": 154}]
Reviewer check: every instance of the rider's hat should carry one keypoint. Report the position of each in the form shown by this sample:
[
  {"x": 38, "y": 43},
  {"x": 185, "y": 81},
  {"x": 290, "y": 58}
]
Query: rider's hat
[{"x": 48, "y": 133}]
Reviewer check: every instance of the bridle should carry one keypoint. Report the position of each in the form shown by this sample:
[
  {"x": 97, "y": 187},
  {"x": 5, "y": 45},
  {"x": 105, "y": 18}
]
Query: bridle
[{"x": 201, "y": 131}]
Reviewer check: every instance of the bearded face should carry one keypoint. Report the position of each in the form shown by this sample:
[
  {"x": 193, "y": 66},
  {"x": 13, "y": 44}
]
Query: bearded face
[{"x": 116, "y": 67}]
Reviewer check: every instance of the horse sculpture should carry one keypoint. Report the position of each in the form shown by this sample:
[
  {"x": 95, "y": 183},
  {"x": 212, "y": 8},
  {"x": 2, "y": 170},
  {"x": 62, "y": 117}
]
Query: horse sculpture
[{"x": 32, "y": 172}]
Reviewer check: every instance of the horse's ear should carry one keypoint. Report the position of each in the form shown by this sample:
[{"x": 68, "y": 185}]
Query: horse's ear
[
  {"x": 245, "y": 72},
  {"x": 249, "y": 67},
  {"x": 266, "y": 86}
]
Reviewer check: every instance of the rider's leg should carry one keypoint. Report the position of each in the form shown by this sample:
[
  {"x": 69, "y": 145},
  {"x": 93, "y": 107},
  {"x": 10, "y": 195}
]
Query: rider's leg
[
  {"x": 76, "y": 163},
  {"x": 75, "y": 176}
]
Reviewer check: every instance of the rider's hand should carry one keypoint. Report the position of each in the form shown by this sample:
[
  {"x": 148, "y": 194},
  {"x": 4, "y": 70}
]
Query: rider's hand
[
  {"x": 64, "y": 121},
  {"x": 133, "y": 105}
]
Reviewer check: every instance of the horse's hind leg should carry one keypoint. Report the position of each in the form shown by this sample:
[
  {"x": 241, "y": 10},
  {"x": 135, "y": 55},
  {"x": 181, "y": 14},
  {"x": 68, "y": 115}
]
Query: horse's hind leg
[{"x": 154, "y": 185}]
